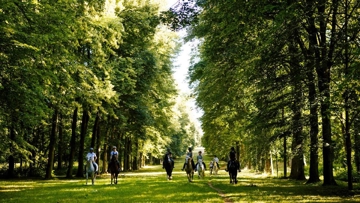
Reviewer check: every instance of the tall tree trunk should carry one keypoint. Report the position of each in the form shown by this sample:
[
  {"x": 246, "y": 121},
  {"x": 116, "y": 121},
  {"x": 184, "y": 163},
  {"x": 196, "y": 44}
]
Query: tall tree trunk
[
  {"x": 95, "y": 130},
  {"x": 84, "y": 126},
  {"x": 52, "y": 143},
  {"x": 314, "y": 130},
  {"x": 60, "y": 144},
  {"x": 136, "y": 154},
  {"x": 98, "y": 143},
  {"x": 11, "y": 157},
  {"x": 297, "y": 169},
  {"x": 104, "y": 158},
  {"x": 323, "y": 72},
  {"x": 121, "y": 149},
  {"x": 311, "y": 54},
  {"x": 126, "y": 152},
  {"x": 357, "y": 142},
  {"x": 284, "y": 144},
  {"x": 72, "y": 143},
  {"x": 347, "y": 104}
]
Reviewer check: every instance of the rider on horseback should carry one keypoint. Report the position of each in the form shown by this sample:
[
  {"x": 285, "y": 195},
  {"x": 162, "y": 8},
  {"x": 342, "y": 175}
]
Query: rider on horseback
[
  {"x": 216, "y": 160},
  {"x": 92, "y": 157},
  {"x": 232, "y": 156},
  {"x": 189, "y": 156},
  {"x": 168, "y": 158},
  {"x": 114, "y": 154},
  {"x": 197, "y": 159}
]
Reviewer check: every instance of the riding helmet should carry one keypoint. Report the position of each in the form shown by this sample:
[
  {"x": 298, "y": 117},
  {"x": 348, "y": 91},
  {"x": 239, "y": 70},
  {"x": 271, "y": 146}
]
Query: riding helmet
[
  {"x": 114, "y": 147},
  {"x": 91, "y": 149},
  {"x": 190, "y": 149}
]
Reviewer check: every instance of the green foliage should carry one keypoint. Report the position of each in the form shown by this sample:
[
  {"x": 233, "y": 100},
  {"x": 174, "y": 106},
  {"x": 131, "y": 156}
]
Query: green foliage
[
  {"x": 112, "y": 58},
  {"x": 342, "y": 174}
]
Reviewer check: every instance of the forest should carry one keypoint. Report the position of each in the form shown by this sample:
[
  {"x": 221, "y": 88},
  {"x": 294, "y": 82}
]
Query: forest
[
  {"x": 277, "y": 79},
  {"x": 78, "y": 74}
]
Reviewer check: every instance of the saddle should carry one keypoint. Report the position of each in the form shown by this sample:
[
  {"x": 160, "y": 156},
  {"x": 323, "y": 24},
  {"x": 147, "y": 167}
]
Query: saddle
[{"x": 234, "y": 165}]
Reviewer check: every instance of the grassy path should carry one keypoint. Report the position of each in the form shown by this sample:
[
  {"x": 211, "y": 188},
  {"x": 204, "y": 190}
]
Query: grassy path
[{"x": 151, "y": 185}]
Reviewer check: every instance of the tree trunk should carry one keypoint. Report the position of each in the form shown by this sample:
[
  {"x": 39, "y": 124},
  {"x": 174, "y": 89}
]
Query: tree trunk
[
  {"x": 357, "y": 142},
  {"x": 98, "y": 143},
  {"x": 60, "y": 144},
  {"x": 121, "y": 148},
  {"x": 104, "y": 158},
  {"x": 84, "y": 126},
  {"x": 52, "y": 143},
  {"x": 323, "y": 72},
  {"x": 11, "y": 157},
  {"x": 95, "y": 131},
  {"x": 136, "y": 154},
  {"x": 347, "y": 105},
  {"x": 311, "y": 54},
  {"x": 127, "y": 153},
  {"x": 72, "y": 143}
]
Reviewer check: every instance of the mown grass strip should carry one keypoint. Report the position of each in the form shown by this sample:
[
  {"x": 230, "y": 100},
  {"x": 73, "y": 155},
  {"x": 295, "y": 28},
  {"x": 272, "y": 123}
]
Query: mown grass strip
[{"x": 151, "y": 185}]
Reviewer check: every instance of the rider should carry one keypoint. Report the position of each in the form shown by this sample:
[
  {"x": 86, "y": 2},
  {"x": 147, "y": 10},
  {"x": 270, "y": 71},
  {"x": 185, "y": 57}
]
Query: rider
[
  {"x": 168, "y": 159},
  {"x": 232, "y": 156},
  {"x": 198, "y": 158},
  {"x": 116, "y": 154},
  {"x": 92, "y": 157},
  {"x": 216, "y": 160},
  {"x": 166, "y": 156},
  {"x": 188, "y": 156},
  {"x": 211, "y": 165}
]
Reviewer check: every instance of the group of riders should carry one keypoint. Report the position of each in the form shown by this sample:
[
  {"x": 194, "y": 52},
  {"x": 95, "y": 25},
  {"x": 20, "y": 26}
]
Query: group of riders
[
  {"x": 189, "y": 155},
  {"x": 91, "y": 156}
]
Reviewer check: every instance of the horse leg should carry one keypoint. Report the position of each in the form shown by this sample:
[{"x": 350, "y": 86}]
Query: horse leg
[
  {"x": 235, "y": 177},
  {"x": 87, "y": 176}
]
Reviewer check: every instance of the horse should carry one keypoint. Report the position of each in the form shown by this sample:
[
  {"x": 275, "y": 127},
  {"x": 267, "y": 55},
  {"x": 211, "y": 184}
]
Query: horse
[
  {"x": 189, "y": 170},
  {"x": 214, "y": 169},
  {"x": 90, "y": 171},
  {"x": 233, "y": 167},
  {"x": 168, "y": 164},
  {"x": 200, "y": 168},
  {"x": 114, "y": 170}
]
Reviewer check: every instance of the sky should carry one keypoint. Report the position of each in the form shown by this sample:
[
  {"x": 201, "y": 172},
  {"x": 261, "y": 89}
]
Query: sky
[{"x": 181, "y": 65}]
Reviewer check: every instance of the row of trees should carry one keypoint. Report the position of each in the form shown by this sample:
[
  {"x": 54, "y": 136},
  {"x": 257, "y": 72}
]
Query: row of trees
[
  {"x": 77, "y": 74},
  {"x": 272, "y": 72}
]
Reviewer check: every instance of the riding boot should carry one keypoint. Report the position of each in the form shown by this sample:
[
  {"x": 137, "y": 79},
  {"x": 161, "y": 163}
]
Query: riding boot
[
  {"x": 95, "y": 168},
  {"x": 183, "y": 166}
]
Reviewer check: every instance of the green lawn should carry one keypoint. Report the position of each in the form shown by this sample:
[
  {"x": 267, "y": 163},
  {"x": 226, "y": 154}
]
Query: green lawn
[{"x": 150, "y": 185}]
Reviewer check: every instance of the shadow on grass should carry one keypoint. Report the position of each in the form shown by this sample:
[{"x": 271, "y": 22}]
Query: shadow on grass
[{"x": 283, "y": 190}]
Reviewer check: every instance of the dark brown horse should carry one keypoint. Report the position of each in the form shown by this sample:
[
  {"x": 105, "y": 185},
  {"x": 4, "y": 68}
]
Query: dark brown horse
[
  {"x": 189, "y": 170},
  {"x": 233, "y": 167},
  {"x": 114, "y": 170}
]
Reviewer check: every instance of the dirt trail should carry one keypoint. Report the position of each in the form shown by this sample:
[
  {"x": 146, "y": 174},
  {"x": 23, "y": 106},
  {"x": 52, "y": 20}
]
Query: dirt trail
[{"x": 226, "y": 200}]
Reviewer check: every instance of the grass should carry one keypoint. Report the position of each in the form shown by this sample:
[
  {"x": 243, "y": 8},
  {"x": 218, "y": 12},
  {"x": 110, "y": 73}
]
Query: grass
[{"x": 150, "y": 185}]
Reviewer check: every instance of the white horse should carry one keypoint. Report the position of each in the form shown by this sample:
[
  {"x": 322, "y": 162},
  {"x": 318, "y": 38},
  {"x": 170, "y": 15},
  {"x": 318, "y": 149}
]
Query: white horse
[
  {"x": 214, "y": 169},
  {"x": 90, "y": 171},
  {"x": 200, "y": 168}
]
